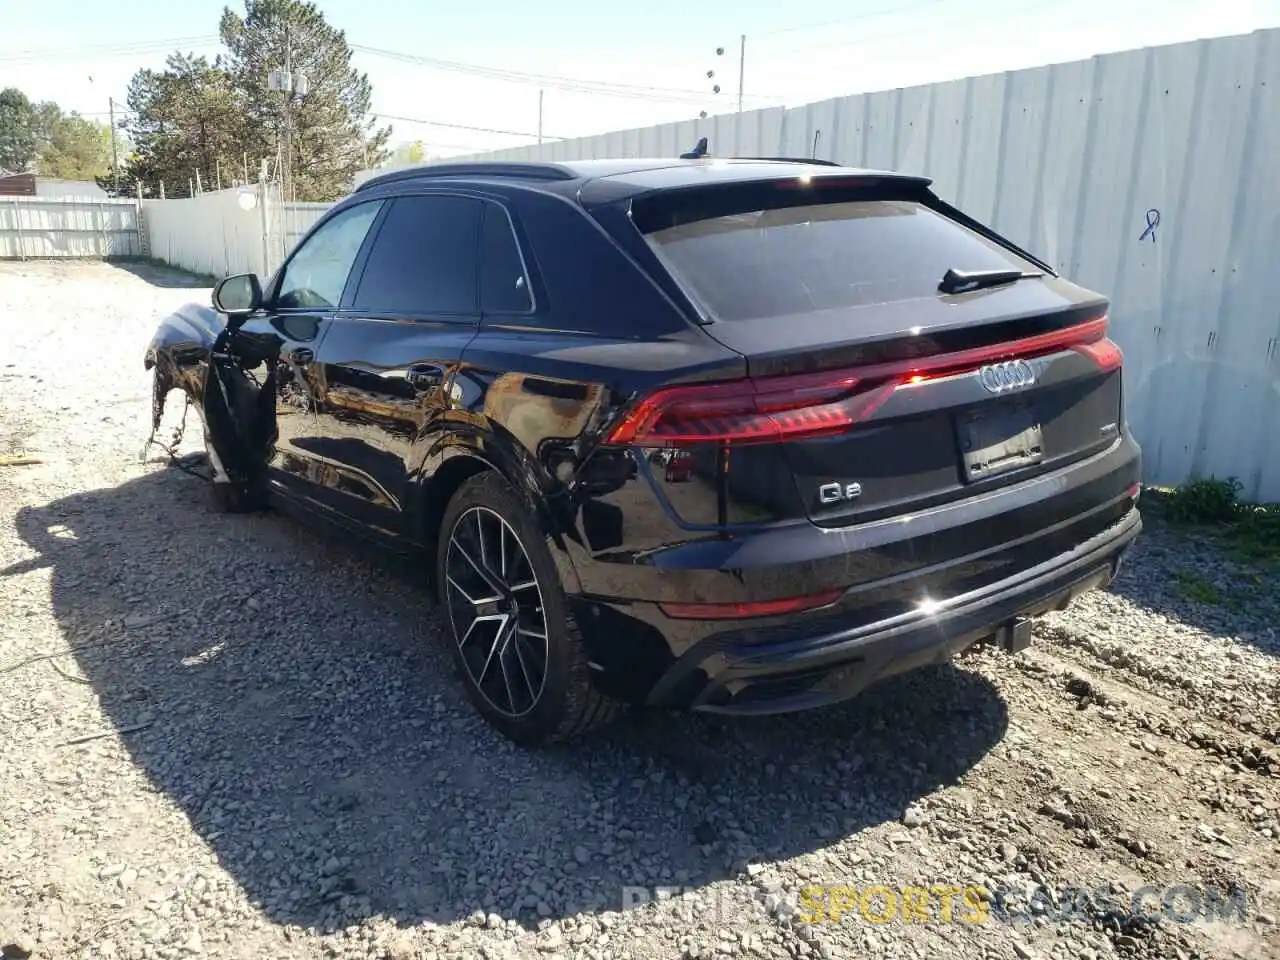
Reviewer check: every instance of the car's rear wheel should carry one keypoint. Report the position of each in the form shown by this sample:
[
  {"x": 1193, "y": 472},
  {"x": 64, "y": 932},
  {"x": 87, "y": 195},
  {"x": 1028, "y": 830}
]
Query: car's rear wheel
[{"x": 514, "y": 640}]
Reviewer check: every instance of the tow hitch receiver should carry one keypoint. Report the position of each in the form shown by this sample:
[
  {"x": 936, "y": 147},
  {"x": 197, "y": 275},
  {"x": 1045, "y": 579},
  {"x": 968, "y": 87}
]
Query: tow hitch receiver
[{"x": 1015, "y": 635}]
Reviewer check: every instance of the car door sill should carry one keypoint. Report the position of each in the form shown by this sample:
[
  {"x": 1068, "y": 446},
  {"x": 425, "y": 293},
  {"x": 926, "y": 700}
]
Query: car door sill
[{"x": 303, "y": 508}]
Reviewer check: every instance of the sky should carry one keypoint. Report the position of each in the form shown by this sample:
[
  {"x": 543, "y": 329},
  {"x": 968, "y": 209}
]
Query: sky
[{"x": 602, "y": 66}]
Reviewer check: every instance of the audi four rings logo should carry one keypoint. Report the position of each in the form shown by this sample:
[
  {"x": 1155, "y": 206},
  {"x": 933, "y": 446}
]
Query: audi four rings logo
[{"x": 1010, "y": 375}]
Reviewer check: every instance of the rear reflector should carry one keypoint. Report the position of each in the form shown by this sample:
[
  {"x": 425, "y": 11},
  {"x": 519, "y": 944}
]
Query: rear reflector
[
  {"x": 805, "y": 406},
  {"x": 743, "y": 611},
  {"x": 1135, "y": 492}
]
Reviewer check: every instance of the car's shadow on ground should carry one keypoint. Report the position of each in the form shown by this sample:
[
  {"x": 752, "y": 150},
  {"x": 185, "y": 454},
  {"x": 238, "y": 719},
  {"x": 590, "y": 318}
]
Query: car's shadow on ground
[
  {"x": 289, "y": 693},
  {"x": 161, "y": 276}
]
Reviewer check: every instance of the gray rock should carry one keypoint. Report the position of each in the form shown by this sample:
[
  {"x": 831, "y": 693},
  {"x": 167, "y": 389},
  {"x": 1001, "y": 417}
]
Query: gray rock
[{"x": 552, "y": 939}]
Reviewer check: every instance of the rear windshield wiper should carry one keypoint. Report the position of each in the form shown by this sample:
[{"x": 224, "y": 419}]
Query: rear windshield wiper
[{"x": 964, "y": 281}]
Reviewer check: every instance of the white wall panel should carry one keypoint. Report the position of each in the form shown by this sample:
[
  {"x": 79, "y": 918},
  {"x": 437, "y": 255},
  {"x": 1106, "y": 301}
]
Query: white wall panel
[
  {"x": 32, "y": 227},
  {"x": 213, "y": 233}
]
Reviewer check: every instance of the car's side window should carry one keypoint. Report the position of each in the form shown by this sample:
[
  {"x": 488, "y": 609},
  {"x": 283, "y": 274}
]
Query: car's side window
[
  {"x": 424, "y": 259},
  {"x": 317, "y": 273},
  {"x": 504, "y": 282}
]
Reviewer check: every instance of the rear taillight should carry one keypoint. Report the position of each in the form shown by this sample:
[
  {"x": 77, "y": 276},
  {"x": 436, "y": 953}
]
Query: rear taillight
[
  {"x": 805, "y": 406},
  {"x": 1105, "y": 353},
  {"x": 764, "y": 410}
]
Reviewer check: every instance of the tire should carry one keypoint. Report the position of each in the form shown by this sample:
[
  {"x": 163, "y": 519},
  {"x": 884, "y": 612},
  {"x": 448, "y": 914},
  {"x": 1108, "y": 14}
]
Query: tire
[
  {"x": 229, "y": 497},
  {"x": 234, "y": 498},
  {"x": 495, "y": 595}
]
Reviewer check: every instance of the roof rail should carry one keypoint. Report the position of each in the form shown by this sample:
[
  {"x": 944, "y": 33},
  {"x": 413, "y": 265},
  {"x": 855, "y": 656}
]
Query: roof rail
[
  {"x": 812, "y": 160},
  {"x": 523, "y": 170}
]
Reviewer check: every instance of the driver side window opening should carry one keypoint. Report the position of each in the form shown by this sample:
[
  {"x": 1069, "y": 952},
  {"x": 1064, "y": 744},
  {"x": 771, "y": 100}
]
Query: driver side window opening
[{"x": 317, "y": 273}]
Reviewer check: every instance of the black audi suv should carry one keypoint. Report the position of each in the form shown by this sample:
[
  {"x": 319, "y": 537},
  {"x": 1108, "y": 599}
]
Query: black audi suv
[{"x": 740, "y": 436}]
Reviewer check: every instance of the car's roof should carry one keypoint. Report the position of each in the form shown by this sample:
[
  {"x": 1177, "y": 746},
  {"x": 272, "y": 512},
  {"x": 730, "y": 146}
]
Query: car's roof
[{"x": 598, "y": 180}]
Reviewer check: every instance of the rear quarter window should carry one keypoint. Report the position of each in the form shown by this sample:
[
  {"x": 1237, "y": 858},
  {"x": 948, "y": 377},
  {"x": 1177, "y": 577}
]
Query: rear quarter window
[
  {"x": 802, "y": 259},
  {"x": 590, "y": 285}
]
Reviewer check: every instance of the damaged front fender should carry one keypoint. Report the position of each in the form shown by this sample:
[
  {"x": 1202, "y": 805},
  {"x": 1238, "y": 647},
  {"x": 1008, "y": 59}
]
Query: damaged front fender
[
  {"x": 179, "y": 355},
  {"x": 193, "y": 351}
]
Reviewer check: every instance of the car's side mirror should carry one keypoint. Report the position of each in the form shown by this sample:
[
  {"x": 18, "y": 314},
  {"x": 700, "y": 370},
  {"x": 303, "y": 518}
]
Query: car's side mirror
[{"x": 238, "y": 295}]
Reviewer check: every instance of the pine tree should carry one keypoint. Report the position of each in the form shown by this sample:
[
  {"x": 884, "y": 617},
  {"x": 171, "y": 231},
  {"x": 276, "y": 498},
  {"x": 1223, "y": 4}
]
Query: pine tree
[
  {"x": 187, "y": 118},
  {"x": 17, "y": 131},
  {"x": 330, "y": 134}
]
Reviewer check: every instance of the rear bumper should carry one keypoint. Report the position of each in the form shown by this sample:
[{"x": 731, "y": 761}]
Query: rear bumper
[{"x": 813, "y": 662}]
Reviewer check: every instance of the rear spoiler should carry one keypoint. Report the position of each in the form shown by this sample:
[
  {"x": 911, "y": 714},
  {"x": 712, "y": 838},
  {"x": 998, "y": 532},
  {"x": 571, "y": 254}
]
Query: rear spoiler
[
  {"x": 699, "y": 201},
  {"x": 810, "y": 160}
]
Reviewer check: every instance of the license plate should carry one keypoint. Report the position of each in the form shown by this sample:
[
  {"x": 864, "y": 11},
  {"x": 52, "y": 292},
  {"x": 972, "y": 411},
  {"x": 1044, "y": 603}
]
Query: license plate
[{"x": 1000, "y": 439}]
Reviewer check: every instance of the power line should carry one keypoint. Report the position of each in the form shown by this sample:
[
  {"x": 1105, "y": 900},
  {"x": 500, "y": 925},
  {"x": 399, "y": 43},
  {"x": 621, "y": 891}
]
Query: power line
[
  {"x": 120, "y": 108},
  {"x": 464, "y": 126},
  {"x": 755, "y": 36},
  {"x": 437, "y": 145},
  {"x": 431, "y": 144},
  {"x": 105, "y": 50},
  {"x": 512, "y": 76},
  {"x": 596, "y": 87}
]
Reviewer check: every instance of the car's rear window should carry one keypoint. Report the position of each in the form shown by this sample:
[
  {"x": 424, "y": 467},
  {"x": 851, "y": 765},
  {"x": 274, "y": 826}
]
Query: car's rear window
[{"x": 800, "y": 259}]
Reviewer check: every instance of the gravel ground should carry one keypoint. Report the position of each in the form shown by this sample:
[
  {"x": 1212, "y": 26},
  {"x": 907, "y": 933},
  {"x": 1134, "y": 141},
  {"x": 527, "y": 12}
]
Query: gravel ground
[{"x": 235, "y": 737}]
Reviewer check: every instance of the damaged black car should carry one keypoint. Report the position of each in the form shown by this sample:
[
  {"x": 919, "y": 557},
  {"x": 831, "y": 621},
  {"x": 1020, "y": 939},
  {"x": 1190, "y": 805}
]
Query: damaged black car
[{"x": 739, "y": 436}]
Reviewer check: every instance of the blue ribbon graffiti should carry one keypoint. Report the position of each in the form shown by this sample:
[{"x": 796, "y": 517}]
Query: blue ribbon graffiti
[{"x": 1153, "y": 221}]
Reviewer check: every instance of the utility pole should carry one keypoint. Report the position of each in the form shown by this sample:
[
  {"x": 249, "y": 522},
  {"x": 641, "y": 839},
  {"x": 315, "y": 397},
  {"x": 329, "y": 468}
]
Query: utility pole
[
  {"x": 286, "y": 82},
  {"x": 115, "y": 160},
  {"x": 742, "y": 62},
  {"x": 540, "y": 93},
  {"x": 287, "y": 182}
]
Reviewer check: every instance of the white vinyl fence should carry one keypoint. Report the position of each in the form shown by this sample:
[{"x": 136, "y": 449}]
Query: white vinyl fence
[
  {"x": 223, "y": 232},
  {"x": 32, "y": 227}
]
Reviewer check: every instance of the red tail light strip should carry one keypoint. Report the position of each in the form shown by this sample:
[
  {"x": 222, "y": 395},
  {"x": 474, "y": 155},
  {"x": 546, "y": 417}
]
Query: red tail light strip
[
  {"x": 1105, "y": 353},
  {"x": 961, "y": 361},
  {"x": 743, "y": 611},
  {"x": 795, "y": 407}
]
